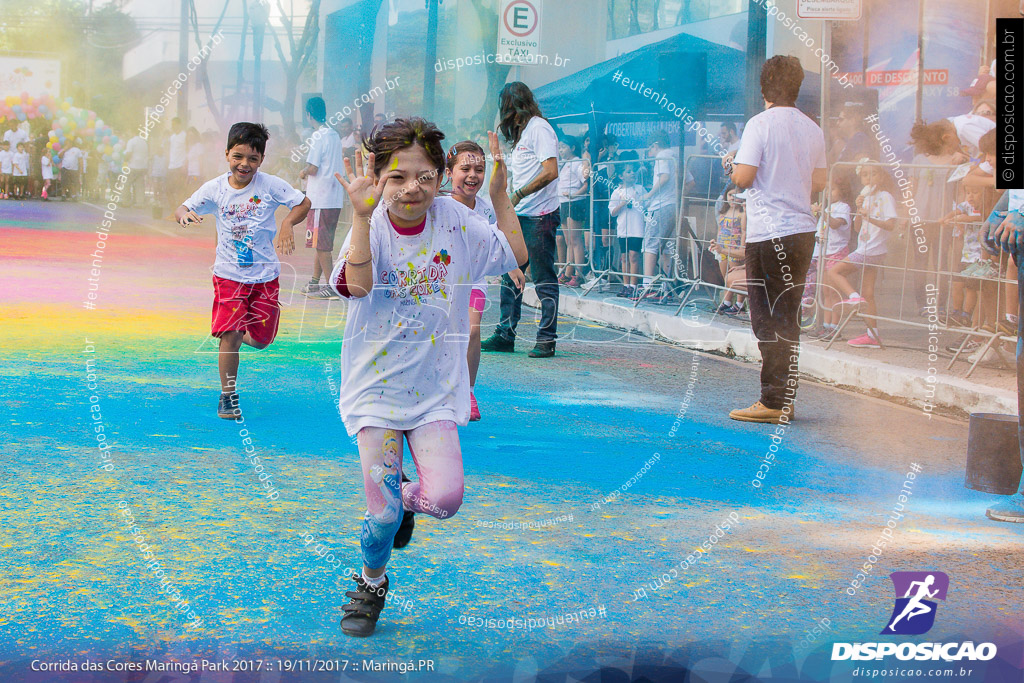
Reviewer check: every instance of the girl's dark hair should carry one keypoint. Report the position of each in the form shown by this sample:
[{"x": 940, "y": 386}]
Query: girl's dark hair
[
  {"x": 781, "y": 77},
  {"x": 460, "y": 147},
  {"x": 254, "y": 135},
  {"x": 843, "y": 180},
  {"x": 516, "y": 106},
  {"x": 927, "y": 138},
  {"x": 725, "y": 195},
  {"x": 401, "y": 134},
  {"x": 572, "y": 143},
  {"x": 888, "y": 182}
]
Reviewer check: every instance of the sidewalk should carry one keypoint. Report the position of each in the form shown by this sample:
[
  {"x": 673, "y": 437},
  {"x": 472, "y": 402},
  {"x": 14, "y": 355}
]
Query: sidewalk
[{"x": 898, "y": 373}]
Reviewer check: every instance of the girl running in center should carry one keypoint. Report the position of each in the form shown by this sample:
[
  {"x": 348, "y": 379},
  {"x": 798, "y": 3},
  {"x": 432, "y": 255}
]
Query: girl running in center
[
  {"x": 466, "y": 169},
  {"x": 407, "y": 267}
]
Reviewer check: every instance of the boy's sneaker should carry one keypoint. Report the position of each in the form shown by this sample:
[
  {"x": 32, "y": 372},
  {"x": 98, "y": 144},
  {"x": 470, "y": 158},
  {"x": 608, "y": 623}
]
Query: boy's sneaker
[
  {"x": 626, "y": 292},
  {"x": 653, "y": 297},
  {"x": 228, "y": 406},
  {"x": 865, "y": 341},
  {"x": 310, "y": 287},
  {"x": 969, "y": 347},
  {"x": 1007, "y": 328},
  {"x": 326, "y": 293},
  {"x": 574, "y": 282},
  {"x": 364, "y": 608},
  {"x": 474, "y": 409},
  {"x": 726, "y": 309},
  {"x": 991, "y": 355},
  {"x": 498, "y": 343},
  {"x": 854, "y": 301}
]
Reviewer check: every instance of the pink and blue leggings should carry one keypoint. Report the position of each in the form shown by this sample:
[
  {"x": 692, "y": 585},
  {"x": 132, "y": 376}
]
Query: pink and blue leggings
[{"x": 438, "y": 458}]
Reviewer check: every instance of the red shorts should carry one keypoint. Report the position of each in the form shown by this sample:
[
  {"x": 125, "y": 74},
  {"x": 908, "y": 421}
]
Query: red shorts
[{"x": 251, "y": 308}]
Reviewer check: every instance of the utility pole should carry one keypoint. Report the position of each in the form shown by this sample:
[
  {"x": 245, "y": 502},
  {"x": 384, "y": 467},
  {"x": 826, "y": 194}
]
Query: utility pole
[
  {"x": 183, "y": 62},
  {"x": 428, "y": 67},
  {"x": 757, "y": 46},
  {"x": 260, "y": 14}
]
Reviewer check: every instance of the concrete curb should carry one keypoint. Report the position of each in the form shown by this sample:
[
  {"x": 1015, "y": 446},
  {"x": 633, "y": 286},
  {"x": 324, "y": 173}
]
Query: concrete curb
[{"x": 904, "y": 385}]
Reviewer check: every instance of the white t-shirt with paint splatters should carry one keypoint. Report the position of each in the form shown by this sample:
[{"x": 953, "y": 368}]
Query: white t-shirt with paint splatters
[
  {"x": 403, "y": 358},
  {"x": 245, "y": 224}
]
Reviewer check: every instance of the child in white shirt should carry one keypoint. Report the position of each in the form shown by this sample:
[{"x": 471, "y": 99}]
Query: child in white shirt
[
  {"x": 625, "y": 206},
  {"x": 466, "y": 165},
  {"x": 408, "y": 266}
]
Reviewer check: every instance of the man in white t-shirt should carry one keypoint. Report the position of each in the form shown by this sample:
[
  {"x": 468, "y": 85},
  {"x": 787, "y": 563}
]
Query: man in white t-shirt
[
  {"x": 350, "y": 142},
  {"x": 326, "y": 194},
  {"x": 15, "y": 135},
  {"x": 70, "y": 175},
  {"x": 660, "y": 202},
  {"x": 177, "y": 157},
  {"x": 136, "y": 152},
  {"x": 782, "y": 160},
  {"x": 534, "y": 166}
]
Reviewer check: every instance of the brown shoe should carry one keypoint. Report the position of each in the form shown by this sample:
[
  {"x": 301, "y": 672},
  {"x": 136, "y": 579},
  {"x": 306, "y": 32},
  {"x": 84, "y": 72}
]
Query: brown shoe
[{"x": 761, "y": 413}]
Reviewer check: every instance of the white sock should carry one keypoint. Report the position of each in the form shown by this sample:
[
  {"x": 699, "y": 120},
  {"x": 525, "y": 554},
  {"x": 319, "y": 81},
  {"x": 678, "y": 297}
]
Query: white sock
[
  {"x": 873, "y": 332},
  {"x": 374, "y": 582},
  {"x": 854, "y": 295}
]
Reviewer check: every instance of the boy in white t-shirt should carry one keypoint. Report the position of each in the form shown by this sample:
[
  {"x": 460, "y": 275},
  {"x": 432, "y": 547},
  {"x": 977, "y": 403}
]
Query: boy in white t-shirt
[
  {"x": 408, "y": 267},
  {"x": 625, "y": 206},
  {"x": 245, "y": 272},
  {"x": 324, "y": 159},
  {"x": 6, "y": 169}
]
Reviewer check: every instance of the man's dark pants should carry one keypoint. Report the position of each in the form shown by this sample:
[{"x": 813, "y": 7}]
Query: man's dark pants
[
  {"x": 776, "y": 271},
  {"x": 539, "y": 234}
]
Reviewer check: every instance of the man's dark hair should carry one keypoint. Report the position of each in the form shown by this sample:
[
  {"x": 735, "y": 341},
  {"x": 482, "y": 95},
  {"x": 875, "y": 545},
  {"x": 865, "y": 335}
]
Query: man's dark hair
[
  {"x": 401, "y": 134},
  {"x": 729, "y": 126},
  {"x": 317, "y": 109},
  {"x": 254, "y": 135},
  {"x": 781, "y": 77},
  {"x": 516, "y": 106},
  {"x": 660, "y": 137},
  {"x": 573, "y": 143}
]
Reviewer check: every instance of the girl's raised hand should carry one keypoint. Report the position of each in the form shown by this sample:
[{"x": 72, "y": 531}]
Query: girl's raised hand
[
  {"x": 364, "y": 189},
  {"x": 499, "y": 178}
]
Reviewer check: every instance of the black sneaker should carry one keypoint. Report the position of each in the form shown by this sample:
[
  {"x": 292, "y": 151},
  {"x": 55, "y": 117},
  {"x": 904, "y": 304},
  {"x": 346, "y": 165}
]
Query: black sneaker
[
  {"x": 228, "y": 408},
  {"x": 364, "y": 608},
  {"x": 498, "y": 343},
  {"x": 543, "y": 349},
  {"x": 404, "y": 533}
]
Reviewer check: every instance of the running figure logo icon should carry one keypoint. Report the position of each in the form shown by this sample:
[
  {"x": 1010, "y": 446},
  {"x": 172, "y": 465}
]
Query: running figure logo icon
[{"x": 914, "y": 612}]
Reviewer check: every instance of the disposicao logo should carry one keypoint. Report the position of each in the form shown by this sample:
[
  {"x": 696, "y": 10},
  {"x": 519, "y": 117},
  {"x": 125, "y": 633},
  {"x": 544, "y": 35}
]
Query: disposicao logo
[{"x": 914, "y": 614}]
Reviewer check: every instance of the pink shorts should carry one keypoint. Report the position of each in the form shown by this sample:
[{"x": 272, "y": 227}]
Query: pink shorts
[
  {"x": 477, "y": 299},
  {"x": 836, "y": 258}
]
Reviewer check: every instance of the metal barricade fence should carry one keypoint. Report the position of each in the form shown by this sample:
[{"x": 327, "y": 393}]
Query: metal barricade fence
[
  {"x": 930, "y": 267},
  {"x": 659, "y": 224},
  {"x": 918, "y": 283}
]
